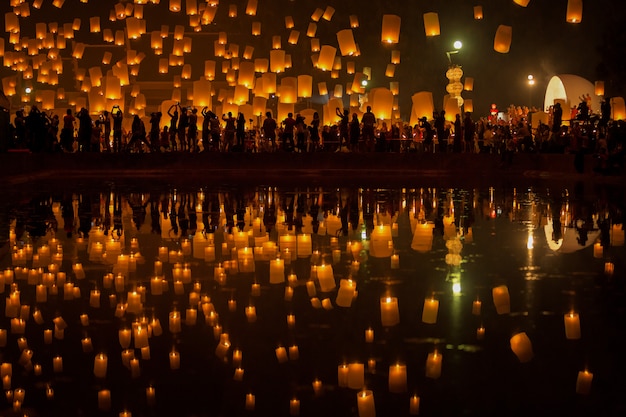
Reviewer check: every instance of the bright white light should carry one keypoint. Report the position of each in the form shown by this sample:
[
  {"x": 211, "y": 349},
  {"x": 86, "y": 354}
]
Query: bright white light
[
  {"x": 457, "y": 44},
  {"x": 364, "y": 83},
  {"x": 530, "y": 243},
  {"x": 28, "y": 90},
  {"x": 456, "y": 288}
]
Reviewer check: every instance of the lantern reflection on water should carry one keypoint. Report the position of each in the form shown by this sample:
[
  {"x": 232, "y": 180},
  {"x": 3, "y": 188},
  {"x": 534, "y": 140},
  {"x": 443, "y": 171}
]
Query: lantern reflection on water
[{"x": 324, "y": 306}]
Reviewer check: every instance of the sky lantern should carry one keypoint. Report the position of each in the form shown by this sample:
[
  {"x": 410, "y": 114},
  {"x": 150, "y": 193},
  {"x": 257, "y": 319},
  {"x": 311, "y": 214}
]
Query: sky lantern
[
  {"x": 11, "y": 22},
  {"x": 258, "y": 88},
  {"x": 354, "y": 21},
  {"x": 289, "y": 22},
  {"x": 317, "y": 14},
  {"x": 326, "y": 58},
  {"x": 431, "y": 24},
  {"x": 478, "y": 12},
  {"x": 219, "y": 49},
  {"x": 113, "y": 88},
  {"x": 94, "y": 24},
  {"x": 522, "y": 3},
  {"x": 95, "y": 73},
  {"x": 175, "y": 6},
  {"x": 179, "y": 32},
  {"x": 286, "y": 94},
  {"x": 350, "y": 67},
  {"x": 232, "y": 10},
  {"x": 276, "y": 42},
  {"x": 163, "y": 66},
  {"x": 618, "y": 108},
  {"x": 294, "y": 35},
  {"x": 191, "y": 7},
  {"x": 79, "y": 50},
  {"x": 248, "y": 52},
  {"x": 251, "y": 8},
  {"x": 394, "y": 87},
  {"x": 58, "y": 3},
  {"x": 261, "y": 65},
  {"x": 395, "y": 57},
  {"x": 469, "y": 84},
  {"x": 241, "y": 95},
  {"x": 328, "y": 13},
  {"x": 246, "y": 74},
  {"x": 311, "y": 30},
  {"x": 599, "y": 88},
  {"x": 305, "y": 86},
  {"x": 390, "y": 70},
  {"x": 338, "y": 91},
  {"x": 315, "y": 45},
  {"x": 269, "y": 82},
  {"x": 451, "y": 106},
  {"x": 209, "y": 69},
  {"x": 259, "y": 105},
  {"x": 381, "y": 100},
  {"x": 256, "y": 28},
  {"x": 502, "y": 40},
  {"x": 186, "y": 72},
  {"x": 345, "y": 39},
  {"x": 574, "y": 11},
  {"x": 156, "y": 42},
  {"x": 322, "y": 90},
  {"x": 40, "y": 30},
  {"x": 468, "y": 105},
  {"x": 390, "y": 32},
  {"x": 337, "y": 63},
  {"x": 277, "y": 60},
  {"x": 208, "y": 15},
  {"x": 423, "y": 106}
]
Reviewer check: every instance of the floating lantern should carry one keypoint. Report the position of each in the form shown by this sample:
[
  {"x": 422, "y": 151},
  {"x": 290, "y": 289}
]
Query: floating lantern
[
  {"x": 522, "y": 3},
  {"x": 502, "y": 40},
  {"x": 326, "y": 58},
  {"x": 365, "y": 404},
  {"x": 574, "y": 11},
  {"x": 469, "y": 84},
  {"x": 390, "y": 71},
  {"x": 276, "y": 42},
  {"x": 251, "y": 7},
  {"x": 354, "y": 21},
  {"x": 294, "y": 35},
  {"x": 277, "y": 60},
  {"x": 478, "y": 12},
  {"x": 397, "y": 380},
  {"x": 317, "y": 14},
  {"x": 256, "y": 28},
  {"x": 305, "y": 86},
  {"x": 618, "y": 108},
  {"x": 583, "y": 382},
  {"x": 261, "y": 65},
  {"x": 315, "y": 45},
  {"x": 431, "y": 24},
  {"x": 389, "y": 313},
  {"x": 572, "y": 326},
  {"x": 395, "y": 57},
  {"x": 175, "y": 6},
  {"x": 345, "y": 39},
  {"x": 390, "y": 32},
  {"x": 468, "y": 105},
  {"x": 322, "y": 89},
  {"x": 501, "y": 299},
  {"x": 311, "y": 30},
  {"x": 429, "y": 313},
  {"x": 599, "y": 88},
  {"x": 522, "y": 347},
  {"x": 433, "y": 365}
]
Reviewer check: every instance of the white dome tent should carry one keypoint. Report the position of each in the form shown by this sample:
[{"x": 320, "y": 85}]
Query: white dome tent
[{"x": 568, "y": 89}]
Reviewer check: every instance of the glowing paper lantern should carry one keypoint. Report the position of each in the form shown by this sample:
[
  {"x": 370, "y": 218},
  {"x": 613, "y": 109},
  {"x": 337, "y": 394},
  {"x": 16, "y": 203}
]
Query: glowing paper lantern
[
  {"x": 175, "y": 6},
  {"x": 261, "y": 65},
  {"x": 423, "y": 106},
  {"x": 468, "y": 105},
  {"x": 256, "y": 28},
  {"x": 286, "y": 94},
  {"x": 251, "y": 8},
  {"x": 522, "y": 347},
  {"x": 328, "y": 13},
  {"x": 276, "y": 42},
  {"x": 311, "y": 30},
  {"x": 326, "y": 58},
  {"x": 431, "y": 24},
  {"x": 574, "y": 11},
  {"x": 317, "y": 14},
  {"x": 381, "y": 100},
  {"x": 269, "y": 82},
  {"x": 345, "y": 39},
  {"x": 113, "y": 88},
  {"x": 395, "y": 57},
  {"x": 277, "y": 60},
  {"x": 394, "y": 87},
  {"x": 599, "y": 88},
  {"x": 469, "y": 84},
  {"x": 618, "y": 108},
  {"x": 246, "y": 74},
  {"x": 390, "y": 32},
  {"x": 390, "y": 71},
  {"x": 502, "y": 40},
  {"x": 293, "y": 37},
  {"x": 338, "y": 91},
  {"x": 258, "y": 105},
  {"x": 354, "y": 21},
  {"x": 315, "y": 45},
  {"x": 522, "y": 3},
  {"x": 322, "y": 89},
  {"x": 478, "y": 12},
  {"x": 305, "y": 86},
  {"x": 248, "y": 52},
  {"x": 289, "y": 22}
]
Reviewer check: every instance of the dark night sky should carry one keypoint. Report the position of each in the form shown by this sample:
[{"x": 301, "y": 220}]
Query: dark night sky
[{"x": 544, "y": 44}]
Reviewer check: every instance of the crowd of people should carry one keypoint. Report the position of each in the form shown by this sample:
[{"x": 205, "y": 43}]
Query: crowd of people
[{"x": 585, "y": 133}]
